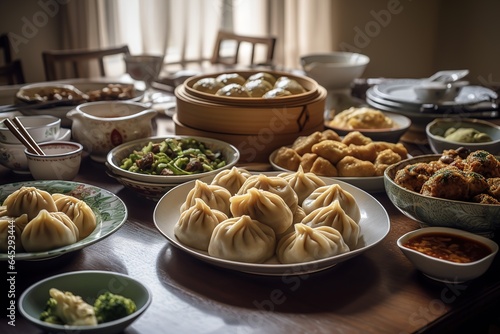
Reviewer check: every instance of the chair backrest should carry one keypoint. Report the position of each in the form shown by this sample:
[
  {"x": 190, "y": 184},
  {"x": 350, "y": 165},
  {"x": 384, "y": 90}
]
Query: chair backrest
[
  {"x": 5, "y": 47},
  {"x": 77, "y": 58},
  {"x": 222, "y": 36},
  {"x": 12, "y": 73}
]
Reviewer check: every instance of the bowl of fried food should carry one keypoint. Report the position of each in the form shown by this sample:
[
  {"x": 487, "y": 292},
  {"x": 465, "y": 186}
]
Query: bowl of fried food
[
  {"x": 458, "y": 189},
  {"x": 376, "y": 124},
  {"x": 354, "y": 158},
  {"x": 85, "y": 302}
]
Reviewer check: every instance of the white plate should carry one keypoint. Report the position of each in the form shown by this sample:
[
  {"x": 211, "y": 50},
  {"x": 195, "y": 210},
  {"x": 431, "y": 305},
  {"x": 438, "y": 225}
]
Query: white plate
[
  {"x": 110, "y": 211},
  {"x": 402, "y": 91},
  {"x": 374, "y": 226},
  {"x": 371, "y": 184}
]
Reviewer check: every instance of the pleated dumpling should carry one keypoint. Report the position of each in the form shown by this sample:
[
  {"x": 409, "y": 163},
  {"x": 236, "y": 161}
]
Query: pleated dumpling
[
  {"x": 325, "y": 195},
  {"x": 303, "y": 183},
  {"x": 12, "y": 226},
  {"x": 334, "y": 216},
  {"x": 242, "y": 239},
  {"x": 231, "y": 179},
  {"x": 78, "y": 211},
  {"x": 276, "y": 185},
  {"x": 263, "y": 206},
  {"x": 28, "y": 200},
  {"x": 309, "y": 244},
  {"x": 214, "y": 196},
  {"x": 195, "y": 225},
  {"x": 49, "y": 230}
]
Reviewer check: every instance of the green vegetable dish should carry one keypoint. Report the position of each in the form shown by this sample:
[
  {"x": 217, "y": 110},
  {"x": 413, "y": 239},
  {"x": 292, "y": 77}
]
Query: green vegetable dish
[
  {"x": 174, "y": 156},
  {"x": 64, "y": 308}
]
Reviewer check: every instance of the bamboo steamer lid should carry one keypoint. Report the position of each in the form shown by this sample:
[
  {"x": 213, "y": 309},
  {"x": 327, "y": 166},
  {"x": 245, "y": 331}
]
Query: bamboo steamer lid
[
  {"x": 247, "y": 116},
  {"x": 253, "y": 148}
]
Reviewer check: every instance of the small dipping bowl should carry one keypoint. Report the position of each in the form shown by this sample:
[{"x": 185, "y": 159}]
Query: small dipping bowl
[
  {"x": 445, "y": 270},
  {"x": 41, "y": 127},
  {"x": 61, "y": 161}
]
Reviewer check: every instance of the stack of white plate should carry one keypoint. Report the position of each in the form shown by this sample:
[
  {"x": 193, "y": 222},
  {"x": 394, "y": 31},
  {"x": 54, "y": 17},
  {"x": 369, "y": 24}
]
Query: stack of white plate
[{"x": 398, "y": 96}]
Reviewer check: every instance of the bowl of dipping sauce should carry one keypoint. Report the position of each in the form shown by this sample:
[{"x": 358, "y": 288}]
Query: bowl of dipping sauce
[{"x": 448, "y": 254}]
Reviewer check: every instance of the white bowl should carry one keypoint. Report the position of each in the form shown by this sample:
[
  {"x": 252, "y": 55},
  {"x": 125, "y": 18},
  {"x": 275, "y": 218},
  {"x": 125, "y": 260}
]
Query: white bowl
[
  {"x": 61, "y": 161},
  {"x": 12, "y": 155},
  {"x": 88, "y": 284},
  {"x": 334, "y": 70},
  {"x": 436, "y": 129},
  {"x": 116, "y": 155},
  {"x": 444, "y": 270},
  {"x": 42, "y": 128}
]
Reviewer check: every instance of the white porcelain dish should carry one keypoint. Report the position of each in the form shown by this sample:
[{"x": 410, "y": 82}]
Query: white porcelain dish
[
  {"x": 374, "y": 226},
  {"x": 116, "y": 155},
  {"x": 88, "y": 284},
  {"x": 13, "y": 157},
  {"x": 42, "y": 128},
  {"x": 110, "y": 211},
  {"x": 61, "y": 161},
  {"x": 443, "y": 270},
  {"x": 371, "y": 184}
]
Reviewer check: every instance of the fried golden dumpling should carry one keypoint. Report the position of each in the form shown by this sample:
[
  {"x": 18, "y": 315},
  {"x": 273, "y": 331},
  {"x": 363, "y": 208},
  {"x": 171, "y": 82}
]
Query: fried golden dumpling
[
  {"x": 229, "y": 78},
  {"x": 208, "y": 85},
  {"x": 257, "y": 87},
  {"x": 233, "y": 90},
  {"x": 242, "y": 239}
]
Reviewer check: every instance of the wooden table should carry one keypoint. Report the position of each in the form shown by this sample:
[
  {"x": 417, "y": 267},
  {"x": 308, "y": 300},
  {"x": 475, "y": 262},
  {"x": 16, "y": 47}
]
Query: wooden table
[{"x": 377, "y": 292}]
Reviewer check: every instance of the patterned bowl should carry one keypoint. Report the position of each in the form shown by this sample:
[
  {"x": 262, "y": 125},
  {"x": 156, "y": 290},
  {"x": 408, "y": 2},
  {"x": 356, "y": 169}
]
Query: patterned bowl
[{"x": 431, "y": 211}]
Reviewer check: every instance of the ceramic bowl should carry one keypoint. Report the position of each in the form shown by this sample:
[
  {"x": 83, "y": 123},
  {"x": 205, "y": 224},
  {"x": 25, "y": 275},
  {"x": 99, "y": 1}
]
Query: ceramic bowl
[
  {"x": 42, "y": 128},
  {"x": 444, "y": 270},
  {"x": 389, "y": 135},
  {"x": 61, "y": 161},
  {"x": 116, "y": 155},
  {"x": 151, "y": 191},
  {"x": 438, "y": 212},
  {"x": 334, "y": 70},
  {"x": 436, "y": 129},
  {"x": 88, "y": 284},
  {"x": 12, "y": 155}
]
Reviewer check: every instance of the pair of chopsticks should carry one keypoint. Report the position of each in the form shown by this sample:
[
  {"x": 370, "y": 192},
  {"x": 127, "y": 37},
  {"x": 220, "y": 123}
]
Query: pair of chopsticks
[{"x": 18, "y": 129}]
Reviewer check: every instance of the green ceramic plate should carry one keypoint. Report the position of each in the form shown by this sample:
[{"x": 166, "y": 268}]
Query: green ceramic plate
[{"x": 110, "y": 212}]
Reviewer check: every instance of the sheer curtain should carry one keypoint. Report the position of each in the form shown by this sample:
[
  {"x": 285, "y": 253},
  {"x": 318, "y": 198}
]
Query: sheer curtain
[{"x": 186, "y": 30}]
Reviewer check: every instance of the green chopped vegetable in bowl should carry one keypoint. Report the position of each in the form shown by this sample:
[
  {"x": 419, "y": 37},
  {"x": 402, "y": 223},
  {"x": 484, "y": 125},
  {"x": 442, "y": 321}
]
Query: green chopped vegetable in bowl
[{"x": 170, "y": 160}]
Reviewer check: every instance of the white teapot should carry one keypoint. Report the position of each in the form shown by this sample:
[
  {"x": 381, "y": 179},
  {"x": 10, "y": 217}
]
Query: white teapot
[{"x": 101, "y": 126}]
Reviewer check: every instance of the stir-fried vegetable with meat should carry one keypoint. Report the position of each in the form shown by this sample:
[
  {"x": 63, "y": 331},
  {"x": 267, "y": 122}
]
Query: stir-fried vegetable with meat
[{"x": 174, "y": 156}]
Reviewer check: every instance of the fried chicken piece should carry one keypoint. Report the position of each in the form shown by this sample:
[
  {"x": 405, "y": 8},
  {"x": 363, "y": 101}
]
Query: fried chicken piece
[
  {"x": 287, "y": 158},
  {"x": 485, "y": 199},
  {"x": 331, "y": 150},
  {"x": 413, "y": 176},
  {"x": 323, "y": 167},
  {"x": 483, "y": 163},
  {"x": 356, "y": 138},
  {"x": 351, "y": 166},
  {"x": 303, "y": 144},
  {"x": 494, "y": 187}
]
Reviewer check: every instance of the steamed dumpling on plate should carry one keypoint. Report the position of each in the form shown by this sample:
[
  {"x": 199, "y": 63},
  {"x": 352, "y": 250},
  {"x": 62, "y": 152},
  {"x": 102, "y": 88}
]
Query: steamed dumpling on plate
[
  {"x": 216, "y": 197},
  {"x": 302, "y": 183},
  {"x": 231, "y": 179},
  {"x": 326, "y": 195},
  {"x": 80, "y": 213},
  {"x": 28, "y": 200}
]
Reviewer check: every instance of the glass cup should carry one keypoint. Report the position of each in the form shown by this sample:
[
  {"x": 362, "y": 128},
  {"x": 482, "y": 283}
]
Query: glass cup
[{"x": 145, "y": 68}]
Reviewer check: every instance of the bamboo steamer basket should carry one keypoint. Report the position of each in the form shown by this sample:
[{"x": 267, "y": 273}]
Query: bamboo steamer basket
[
  {"x": 290, "y": 115},
  {"x": 253, "y": 147}
]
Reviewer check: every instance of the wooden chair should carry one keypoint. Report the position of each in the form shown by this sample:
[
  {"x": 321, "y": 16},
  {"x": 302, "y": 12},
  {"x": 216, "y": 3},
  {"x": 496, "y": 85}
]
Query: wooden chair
[
  {"x": 5, "y": 47},
  {"x": 12, "y": 73},
  {"x": 77, "y": 58},
  {"x": 222, "y": 36}
]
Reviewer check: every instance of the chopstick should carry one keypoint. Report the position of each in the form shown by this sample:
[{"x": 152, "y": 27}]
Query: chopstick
[{"x": 23, "y": 135}]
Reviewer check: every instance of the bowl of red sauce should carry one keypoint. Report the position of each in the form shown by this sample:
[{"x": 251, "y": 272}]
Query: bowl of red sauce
[{"x": 447, "y": 254}]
